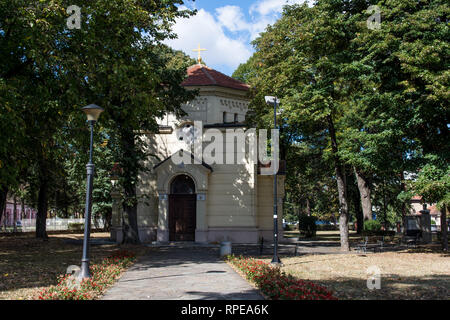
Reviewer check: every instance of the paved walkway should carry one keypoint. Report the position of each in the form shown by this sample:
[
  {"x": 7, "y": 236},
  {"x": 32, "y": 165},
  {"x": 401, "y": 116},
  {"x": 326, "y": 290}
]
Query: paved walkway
[{"x": 181, "y": 273}]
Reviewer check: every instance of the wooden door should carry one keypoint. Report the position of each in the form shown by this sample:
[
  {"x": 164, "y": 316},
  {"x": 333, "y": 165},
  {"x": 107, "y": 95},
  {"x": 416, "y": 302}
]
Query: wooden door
[{"x": 182, "y": 217}]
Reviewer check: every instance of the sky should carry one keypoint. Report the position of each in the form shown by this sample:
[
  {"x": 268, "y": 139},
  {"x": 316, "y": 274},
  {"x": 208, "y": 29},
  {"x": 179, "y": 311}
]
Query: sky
[{"x": 225, "y": 28}]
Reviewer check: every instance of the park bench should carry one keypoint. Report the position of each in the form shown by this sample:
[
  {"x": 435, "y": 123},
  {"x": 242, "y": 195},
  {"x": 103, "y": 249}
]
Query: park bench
[
  {"x": 363, "y": 246},
  {"x": 297, "y": 247},
  {"x": 380, "y": 245},
  {"x": 411, "y": 241}
]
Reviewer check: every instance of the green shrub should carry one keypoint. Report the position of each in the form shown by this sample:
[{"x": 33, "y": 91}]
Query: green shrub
[
  {"x": 75, "y": 226},
  {"x": 307, "y": 225},
  {"x": 327, "y": 227},
  {"x": 372, "y": 225}
]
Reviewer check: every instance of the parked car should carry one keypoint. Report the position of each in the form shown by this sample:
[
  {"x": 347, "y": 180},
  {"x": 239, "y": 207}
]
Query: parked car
[{"x": 18, "y": 223}]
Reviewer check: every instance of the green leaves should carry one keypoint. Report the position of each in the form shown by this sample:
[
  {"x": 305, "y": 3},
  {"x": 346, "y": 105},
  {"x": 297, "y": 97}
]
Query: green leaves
[
  {"x": 48, "y": 72},
  {"x": 385, "y": 92},
  {"x": 433, "y": 181}
]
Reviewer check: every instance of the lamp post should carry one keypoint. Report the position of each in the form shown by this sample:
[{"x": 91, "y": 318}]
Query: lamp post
[
  {"x": 273, "y": 101},
  {"x": 92, "y": 112}
]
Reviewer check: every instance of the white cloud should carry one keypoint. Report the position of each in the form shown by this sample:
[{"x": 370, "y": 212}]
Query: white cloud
[
  {"x": 205, "y": 30},
  {"x": 232, "y": 18},
  {"x": 227, "y": 32},
  {"x": 263, "y": 13},
  {"x": 268, "y": 7}
]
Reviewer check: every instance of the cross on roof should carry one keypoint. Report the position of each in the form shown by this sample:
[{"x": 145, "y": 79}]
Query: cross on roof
[{"x": 199, "y": 50}]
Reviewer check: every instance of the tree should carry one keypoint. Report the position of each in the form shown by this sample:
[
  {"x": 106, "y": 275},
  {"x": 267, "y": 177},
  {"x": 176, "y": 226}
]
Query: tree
[
  {"x": 247, "y": 72},
  {"x": 133, "y": 77},
  {"x": 49, "y": 71},
  {"x": 30, "y": 39},
  {"x": 433, "y": 184},
  {"x": 75, "y": 179},
  {"x": 309, "y": 187},
  {"x": 304, "y": 58},
  {"x": 409, "y": 62},
  {"x": 377, "y": 97}
]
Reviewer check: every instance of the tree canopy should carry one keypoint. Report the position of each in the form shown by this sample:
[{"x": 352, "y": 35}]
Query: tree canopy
[
  {"x": 115, "y": 59},
  {"x": 374, "y": 101}
]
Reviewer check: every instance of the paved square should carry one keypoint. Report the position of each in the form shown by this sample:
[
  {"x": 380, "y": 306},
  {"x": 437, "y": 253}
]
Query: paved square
[{"x": 181, "y": 273}]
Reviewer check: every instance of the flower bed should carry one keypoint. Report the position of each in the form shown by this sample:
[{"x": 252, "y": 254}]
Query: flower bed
[
  {"x": 276, "y": 284},
  {"x": 103, "y": 274}
]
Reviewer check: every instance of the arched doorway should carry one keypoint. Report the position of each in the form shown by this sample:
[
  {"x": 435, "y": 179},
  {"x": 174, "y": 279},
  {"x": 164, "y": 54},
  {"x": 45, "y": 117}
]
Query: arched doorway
[{"x": 182, "y": 209}]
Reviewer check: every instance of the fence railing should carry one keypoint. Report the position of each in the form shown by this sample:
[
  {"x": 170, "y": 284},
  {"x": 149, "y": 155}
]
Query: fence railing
[{"x": 54, "y": 224}]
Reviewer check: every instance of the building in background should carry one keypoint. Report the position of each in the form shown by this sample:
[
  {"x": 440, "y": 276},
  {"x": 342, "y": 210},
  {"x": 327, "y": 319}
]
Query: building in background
[
  {"x": 417, "y": 206},
  {"x": 8, "y": 213}
]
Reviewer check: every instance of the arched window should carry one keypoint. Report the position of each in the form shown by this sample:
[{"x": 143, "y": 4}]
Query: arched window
[
  {"x": 235, "y": 118},
  {"x": 182, "y": 184},
  {"x": 224, "y": 117}
]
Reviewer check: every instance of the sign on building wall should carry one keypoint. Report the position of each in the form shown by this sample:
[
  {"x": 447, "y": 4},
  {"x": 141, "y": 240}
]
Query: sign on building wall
[{"x": 201, "y": 197}]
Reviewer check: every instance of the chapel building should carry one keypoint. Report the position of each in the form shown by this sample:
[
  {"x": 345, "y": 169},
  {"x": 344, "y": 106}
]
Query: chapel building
[{"x": 201, "y": 202}]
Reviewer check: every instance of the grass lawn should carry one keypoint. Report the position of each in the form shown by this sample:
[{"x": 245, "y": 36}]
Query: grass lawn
[
  {"x": 28, "y": 265},
  {"x": 412, "y": 274}
]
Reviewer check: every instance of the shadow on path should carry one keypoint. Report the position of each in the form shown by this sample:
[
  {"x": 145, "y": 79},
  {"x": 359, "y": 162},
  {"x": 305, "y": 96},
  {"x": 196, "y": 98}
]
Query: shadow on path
[{"x": 180, "y": 273}]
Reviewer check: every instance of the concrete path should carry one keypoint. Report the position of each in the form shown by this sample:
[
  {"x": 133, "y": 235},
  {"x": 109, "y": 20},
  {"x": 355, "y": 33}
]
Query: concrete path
[{"x": 181, "y": 273}]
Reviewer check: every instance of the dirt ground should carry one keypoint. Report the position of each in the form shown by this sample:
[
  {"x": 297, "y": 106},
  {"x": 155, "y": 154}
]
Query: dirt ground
[
  {"x": 411, "y": 274},
  {"x": 28, "y": 265}
]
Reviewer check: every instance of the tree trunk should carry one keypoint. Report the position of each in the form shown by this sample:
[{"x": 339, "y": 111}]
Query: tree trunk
[
  {"x": 22, "y": 208},
  {"x": 358, "y": 212},
  {"x": 364, "y": 191},
  {"x": 404, "y": 208},
  {"x": 342, "y": 189},
  {"x": 3, "y": 197},
  {"x": 444, "y": 228},
  {"x": 343, "y": 211},
  {"x": 15, "y": 214},
  {"x": 41, "y": 217},
  {"x": 107, "y": 221},
  {"x": 384, "y": 206},
  {"x": 308, "y": 207},
  {"x": 130, "y": 171}
]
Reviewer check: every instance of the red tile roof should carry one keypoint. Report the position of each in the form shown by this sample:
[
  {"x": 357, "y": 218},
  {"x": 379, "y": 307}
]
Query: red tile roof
[
  {"x": 201, "y": 75},
  {"x": 434, "y": 210}
]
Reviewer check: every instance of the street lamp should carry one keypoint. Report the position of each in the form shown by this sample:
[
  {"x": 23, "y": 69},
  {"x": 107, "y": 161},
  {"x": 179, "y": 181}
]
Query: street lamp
[
  {"x": 92, "y": 112},
  {"x": 116, "y": 172},
  {"x": 114, "y": 180},
  {"x": 273, "y": 101}
]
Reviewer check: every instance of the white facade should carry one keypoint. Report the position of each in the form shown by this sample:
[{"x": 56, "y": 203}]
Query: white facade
[{"x": 233, "y": 202}]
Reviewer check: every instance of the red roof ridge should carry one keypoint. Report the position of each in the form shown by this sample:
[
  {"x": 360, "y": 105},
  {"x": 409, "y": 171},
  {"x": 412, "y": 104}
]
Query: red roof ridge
[
  {"x": 205, "y": 71},
  {"x": 202, "y": 75}
]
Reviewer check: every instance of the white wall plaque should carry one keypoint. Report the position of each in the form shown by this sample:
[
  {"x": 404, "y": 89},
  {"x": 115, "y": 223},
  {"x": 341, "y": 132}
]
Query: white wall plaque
[
  {"x": 163, "y": 197},
  {"x": 201, "y": 196}
]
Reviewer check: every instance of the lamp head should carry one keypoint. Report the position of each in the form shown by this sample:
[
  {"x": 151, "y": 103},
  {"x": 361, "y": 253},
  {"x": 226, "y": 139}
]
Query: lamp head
[
  {"x": 92, "y": 112},
  {"x": 270, "y": 100},
  {"x": 115, "y": 174},
  {"x": 114, "y": 180}
]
